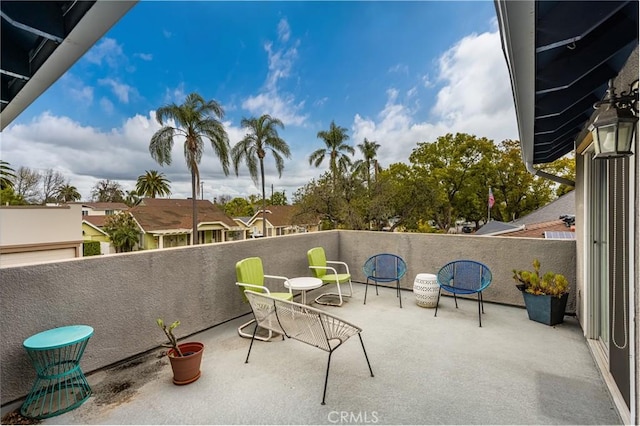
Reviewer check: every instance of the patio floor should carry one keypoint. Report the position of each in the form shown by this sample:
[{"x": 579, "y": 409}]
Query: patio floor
[{"x": 443, "y": 370}]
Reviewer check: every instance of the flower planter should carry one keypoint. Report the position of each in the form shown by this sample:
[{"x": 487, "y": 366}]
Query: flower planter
[
  {"x": 545, "y": 309},
  {"x": 186, "y": 369}
]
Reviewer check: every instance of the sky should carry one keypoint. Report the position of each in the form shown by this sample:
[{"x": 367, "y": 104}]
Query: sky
[{"x": 397, "y": 73}]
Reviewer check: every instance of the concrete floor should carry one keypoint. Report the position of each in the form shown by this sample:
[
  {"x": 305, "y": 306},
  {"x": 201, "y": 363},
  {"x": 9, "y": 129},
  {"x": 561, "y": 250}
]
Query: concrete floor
[{"x": 428, "y": 370}]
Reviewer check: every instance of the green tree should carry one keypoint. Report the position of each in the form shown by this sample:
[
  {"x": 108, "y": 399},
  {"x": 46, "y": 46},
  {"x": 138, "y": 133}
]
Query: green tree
[
  {"x": 318, "y": 199},
  {"x": 51, "y": 180},
  {"x": 238, "y": 207},
  {"x": 278, "y": 199},
  {"x": 9, "y": 197},
  {"x": 123, "y": 231},
  {"x": 335, "y": 148},
  {"x": 7, "y": 175},
  {"x": 196, "y": 120},
  {"x": 107, "y": 191},
  {"x": 152, "y": 183},
  {"x": 454, "y": 166},
  {"x": 67, "y": 193},
  {"x": 369, "y": 150},
  {"x": 517, "y": 192},
  {"x": 262, "y": 136}
]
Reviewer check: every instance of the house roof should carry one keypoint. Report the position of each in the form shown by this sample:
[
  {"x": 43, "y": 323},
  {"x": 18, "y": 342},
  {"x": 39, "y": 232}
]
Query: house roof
[
  {"x": 279, "y": 216},
  {"x": 496, "y": 227},
  {"x": 41, "y": 40},
  {"x": 103, "y": 205},
  {"x": 560, "y": 56},
  {"x": 537, "y": 230},
  {"x": 164, "y": 214},
  {"x": 564, "y": 205},
  {"x": 96, "y": 221}
]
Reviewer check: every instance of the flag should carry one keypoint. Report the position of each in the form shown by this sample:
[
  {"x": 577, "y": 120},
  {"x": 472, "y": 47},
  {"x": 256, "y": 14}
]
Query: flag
[{"x": 492, "y": 200}]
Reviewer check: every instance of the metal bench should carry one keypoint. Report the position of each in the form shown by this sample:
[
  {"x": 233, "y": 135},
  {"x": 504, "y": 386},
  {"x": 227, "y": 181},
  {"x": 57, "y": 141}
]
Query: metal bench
[{"x": 303, "y": 323}]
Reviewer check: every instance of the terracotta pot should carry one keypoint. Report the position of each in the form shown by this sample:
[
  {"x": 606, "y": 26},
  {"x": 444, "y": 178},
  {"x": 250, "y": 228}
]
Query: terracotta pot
[{"x": 186, "y": 369}]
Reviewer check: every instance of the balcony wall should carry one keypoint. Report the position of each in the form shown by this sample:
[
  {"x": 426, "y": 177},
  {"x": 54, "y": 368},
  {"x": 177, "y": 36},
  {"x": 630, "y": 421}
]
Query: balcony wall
[{"x": 120, "y": 296}]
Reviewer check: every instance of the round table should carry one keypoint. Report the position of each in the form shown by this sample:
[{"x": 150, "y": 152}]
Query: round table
[
  {"x": 426, "y": 288},
  {"x": 303, "y": 284},
  {"x": 61, "y": 385}
]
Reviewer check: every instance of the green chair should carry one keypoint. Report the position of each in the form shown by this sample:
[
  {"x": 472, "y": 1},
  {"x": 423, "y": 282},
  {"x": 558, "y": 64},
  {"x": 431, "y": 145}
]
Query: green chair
[
  {"x": 318, "y": 264},
  {"x": 250, "y": 276}
]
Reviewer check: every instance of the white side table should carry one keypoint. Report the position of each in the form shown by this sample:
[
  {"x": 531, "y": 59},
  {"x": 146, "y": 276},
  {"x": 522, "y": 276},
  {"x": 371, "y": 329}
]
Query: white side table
[
  {"x": 426, "y": 287},
  {"x": 303, "y": 284}
]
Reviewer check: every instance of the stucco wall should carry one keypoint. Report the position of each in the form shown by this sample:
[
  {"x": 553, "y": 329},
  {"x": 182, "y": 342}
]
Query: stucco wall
[
  {"x": 120, "y": 296},
  {"x": 428, "y": 252}
]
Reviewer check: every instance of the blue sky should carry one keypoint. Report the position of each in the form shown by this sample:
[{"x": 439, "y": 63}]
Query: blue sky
[{"x": 398, "y": 73}]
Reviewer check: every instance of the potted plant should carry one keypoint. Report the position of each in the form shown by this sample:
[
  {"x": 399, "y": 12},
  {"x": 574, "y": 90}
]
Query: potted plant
[
  {"x": 185, "y": 358},
  {"x": 545, "y": 297}
]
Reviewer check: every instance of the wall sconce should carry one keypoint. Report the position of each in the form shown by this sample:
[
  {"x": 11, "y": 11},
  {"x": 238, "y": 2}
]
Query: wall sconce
[{"x": 613, "y": 128}]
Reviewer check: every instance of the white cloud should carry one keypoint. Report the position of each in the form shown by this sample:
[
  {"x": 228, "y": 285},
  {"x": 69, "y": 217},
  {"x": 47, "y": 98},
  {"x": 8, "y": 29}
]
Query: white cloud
[
  {"x": 77, "y": 89},
  {"x": 321, "y": 102},
  {"x": 399, "y": 68},
  {"x": 107, "y": 50},
  {"x": 271, "y": 100},
  {"x": 175, "y": 95},
  {"x": 144, "y": 56},
  {"x": 121, "y": 90},
  {"x": 475, "y": 98},
  {"x": 106, "y": 105},
  {"x": 167, "y": 33},
  {"x": 284, "y": 31}
]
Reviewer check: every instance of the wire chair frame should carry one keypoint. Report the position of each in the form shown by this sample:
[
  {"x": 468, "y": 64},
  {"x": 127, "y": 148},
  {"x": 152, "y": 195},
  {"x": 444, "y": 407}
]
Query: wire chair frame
[
  {"x": 464, "y": 277},
  {"x": 384, "y": 268},
  {"x": 305, "y": 324}
]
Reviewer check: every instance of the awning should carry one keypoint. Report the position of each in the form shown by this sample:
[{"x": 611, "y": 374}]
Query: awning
[{"x": 561, "y": 55}]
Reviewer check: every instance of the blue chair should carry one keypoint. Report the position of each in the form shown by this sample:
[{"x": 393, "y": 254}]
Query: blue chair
[
  {"x": 464, "y": 277},
  {"x": 384, "y": 268}
]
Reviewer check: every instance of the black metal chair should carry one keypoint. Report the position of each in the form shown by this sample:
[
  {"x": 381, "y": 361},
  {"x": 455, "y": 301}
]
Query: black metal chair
[{"x": 384, "y": 268}]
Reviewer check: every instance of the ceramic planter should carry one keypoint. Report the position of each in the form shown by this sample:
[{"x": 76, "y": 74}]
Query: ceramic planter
[
  {"x": 545, "y": 309},
  {"x": 186, "y": 369}
]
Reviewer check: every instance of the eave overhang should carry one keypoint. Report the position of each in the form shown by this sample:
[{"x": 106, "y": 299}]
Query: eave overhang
[
  {"x": 560, "y": 55},
  {"x": 41, "y": 40}
]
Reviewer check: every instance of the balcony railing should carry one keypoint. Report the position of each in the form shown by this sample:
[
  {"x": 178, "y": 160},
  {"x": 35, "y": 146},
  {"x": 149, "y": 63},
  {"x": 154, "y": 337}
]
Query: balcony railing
[{"x": 120, "y": 296}]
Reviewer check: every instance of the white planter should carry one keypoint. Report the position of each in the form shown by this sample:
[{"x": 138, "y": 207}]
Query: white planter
[{"x": 426, "y": 287}]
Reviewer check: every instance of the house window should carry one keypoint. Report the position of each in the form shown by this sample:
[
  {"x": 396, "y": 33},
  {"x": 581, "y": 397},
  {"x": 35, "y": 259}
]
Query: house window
[{"x": 108, "y": 212}]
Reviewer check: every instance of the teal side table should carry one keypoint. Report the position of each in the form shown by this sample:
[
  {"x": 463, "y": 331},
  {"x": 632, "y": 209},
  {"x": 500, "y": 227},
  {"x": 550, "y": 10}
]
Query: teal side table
[{"x": 61, "y": 385}]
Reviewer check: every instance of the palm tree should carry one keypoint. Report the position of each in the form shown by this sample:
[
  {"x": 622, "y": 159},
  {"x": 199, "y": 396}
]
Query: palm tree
[
  {"x": 7, "y": 175},
  {"x": 195, "y": 120},
  {"x": 67, "y": 193},
  {"x": 262, "y": 136},
  {"x": 152, "y": 183},
  {"x": 336, "y": 149},
  {"x": 369, "y": 151}
]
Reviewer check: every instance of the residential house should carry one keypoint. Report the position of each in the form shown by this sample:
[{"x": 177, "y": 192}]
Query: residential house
[
  {"x": 36, "y": 234},
  {"x": 551, "y": 221},
  {"x": 101, "y": 208},
  {"x": 280, "y": 220},
  {"x": 561, "y": 57},
  {"x": 166, "y": 222}
]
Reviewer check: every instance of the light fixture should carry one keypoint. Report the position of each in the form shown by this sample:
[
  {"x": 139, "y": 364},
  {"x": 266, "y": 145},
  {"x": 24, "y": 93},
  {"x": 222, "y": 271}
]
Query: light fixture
[{"x": 613, "y": 128}]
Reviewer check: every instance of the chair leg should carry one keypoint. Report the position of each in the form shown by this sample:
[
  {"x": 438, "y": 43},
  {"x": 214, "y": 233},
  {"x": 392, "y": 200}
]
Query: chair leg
[
  {"x": 339, "y": 294},
  {"x": 365, "y": 355},
  {"x": 399, "y": 293},
  {"x": 246, "y": 361},
  {"x": 456, "y": 299},
  {"x": 376, "y": 288},
  {"x": 365, "y": 291},
  {"x": 326, "y": 379},
  {"x": 241, "y": 333},
  {"x": 482, "y": 302},
  {"x": 437, "y": 302},
  {"x": 479, "y": 315}
]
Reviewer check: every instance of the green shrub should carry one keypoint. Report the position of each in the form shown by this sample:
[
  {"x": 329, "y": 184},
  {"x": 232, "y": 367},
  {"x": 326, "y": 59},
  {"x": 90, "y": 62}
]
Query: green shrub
[
  {"x": 91, "y": 248},
  {"x": 550, "y": 283}
]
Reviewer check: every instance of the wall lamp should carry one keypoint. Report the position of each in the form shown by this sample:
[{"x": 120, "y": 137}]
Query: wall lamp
[{"x": 613, "y": 128}]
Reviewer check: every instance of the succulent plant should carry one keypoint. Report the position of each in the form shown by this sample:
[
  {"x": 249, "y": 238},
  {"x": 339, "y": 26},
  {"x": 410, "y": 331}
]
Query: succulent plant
[
  {"x": 168, "y": 331},
  {"x": 550, "y": 283}
]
